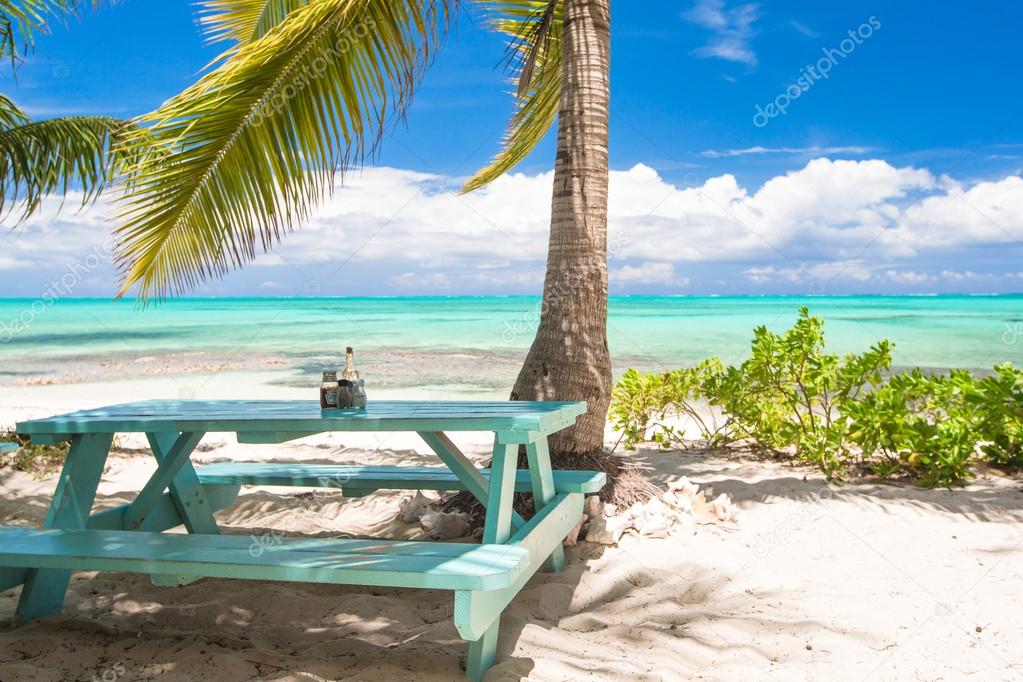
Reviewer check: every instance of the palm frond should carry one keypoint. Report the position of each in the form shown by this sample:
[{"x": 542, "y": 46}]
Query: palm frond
[
  {"x": 535, "y": 28},
  {"x": 244, "y": 21},
  {"x": 22, "y": 20},
  {"x": 56, "y": 156},
  {"x": 253, "y": 146},
  {"x": 10, "y": 115}
]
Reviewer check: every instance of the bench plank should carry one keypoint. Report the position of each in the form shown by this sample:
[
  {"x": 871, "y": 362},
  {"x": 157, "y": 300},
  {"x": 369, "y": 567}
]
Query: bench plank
[
  {"x": 385, "y": 563},
  {"x": 370, "y": 478}
]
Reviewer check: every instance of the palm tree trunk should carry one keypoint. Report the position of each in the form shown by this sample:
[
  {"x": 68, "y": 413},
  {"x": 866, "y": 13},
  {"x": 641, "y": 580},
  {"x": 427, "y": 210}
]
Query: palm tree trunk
[{"x": 569, "y": 358}]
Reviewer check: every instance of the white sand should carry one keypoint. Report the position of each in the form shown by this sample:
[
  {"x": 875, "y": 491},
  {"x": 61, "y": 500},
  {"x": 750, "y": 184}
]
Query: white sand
[{"x": 814, "y": 583}]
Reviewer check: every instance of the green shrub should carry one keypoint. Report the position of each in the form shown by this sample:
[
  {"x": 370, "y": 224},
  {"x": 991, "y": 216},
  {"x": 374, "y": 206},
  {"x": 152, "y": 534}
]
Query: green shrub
[
  {"x": 39, "y": 460},
  {"x": 998, "y": 400},
  {"x": 788, "y": 394},
  {"x": 919, "y": 424},
  {"x": 792, "y": 396},
  {"x": 647, "y": 406}
]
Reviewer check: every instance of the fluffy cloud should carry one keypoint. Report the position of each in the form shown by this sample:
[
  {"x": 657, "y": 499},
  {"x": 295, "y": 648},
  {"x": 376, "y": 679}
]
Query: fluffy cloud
[
  {"x": 807, "y": 151},
  {"x": 413, "y": 280},
  {"x": 909, "y": 277},
  {"x": 852, "y": 270},
  {"x": 840, "y": 220},
  {"x": 647, "y": 273}
]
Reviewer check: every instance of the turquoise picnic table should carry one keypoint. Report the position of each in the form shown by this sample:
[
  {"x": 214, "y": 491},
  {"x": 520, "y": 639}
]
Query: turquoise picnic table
[{"x": 484, "y": 577}]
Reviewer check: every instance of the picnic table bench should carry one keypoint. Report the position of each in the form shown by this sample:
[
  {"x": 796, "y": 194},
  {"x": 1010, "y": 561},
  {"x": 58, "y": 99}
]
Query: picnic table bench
[{"x": 484, "y": 576}]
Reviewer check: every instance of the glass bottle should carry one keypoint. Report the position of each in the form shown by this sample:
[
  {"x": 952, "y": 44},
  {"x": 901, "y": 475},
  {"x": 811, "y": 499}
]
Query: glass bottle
[
  {"x": 359, "y": 394},
  {"x": 345, "y": 392},
  {"x": 350, "y": 373}
]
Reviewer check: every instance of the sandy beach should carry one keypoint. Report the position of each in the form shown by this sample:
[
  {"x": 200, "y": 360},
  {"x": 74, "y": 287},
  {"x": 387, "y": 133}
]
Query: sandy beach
[{"x": 813, "y": 582}]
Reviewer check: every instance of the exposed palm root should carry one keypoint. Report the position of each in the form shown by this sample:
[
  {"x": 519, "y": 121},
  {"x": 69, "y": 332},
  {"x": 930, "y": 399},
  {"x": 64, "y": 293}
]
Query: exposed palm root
[{"x": 625, "y": 484}]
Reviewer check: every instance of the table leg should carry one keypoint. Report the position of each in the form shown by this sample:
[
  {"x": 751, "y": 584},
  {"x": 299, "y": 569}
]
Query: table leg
[
  {"x": 174, "y": 459},
  {"x": 496, "y": 529},
  {"x": 44, "y": 590},
  {"x": 188, "y": 497},
  {"x": 542, "y": 478},
  {"x": 503, "y": 467},
  {"x": 185, "y": 490},
  {"x": 464, "y": 469},
  {"x": 482, "y": 653}
]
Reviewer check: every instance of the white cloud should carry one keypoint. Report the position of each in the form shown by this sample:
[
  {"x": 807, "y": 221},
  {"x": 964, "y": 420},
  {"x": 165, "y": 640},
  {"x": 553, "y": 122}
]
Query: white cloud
[
  {"x": 414, "y": 280},
  {"x": 809, "y": 151},
  {"x": 830, "y": 219},
  {"x": 909, "y": 277},
  {"x": 964, "y": 276},
  {"x": 733, "y": 30},
  {"x": 803, "y": 28},
  {"x": 647, "y": 273},
  {"x": 852, "y": 270}
]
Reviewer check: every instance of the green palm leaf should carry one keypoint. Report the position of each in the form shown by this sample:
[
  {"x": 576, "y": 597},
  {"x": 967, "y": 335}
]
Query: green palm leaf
[
  {"x": 22, "y": 20},
  {"x": 244, "y": 21},
  {"x": 253, "y": 146},
  {"x": 10, "y": 114},
  {"x": 535, "y": 27},
  {"x": 55, "y": 156}
]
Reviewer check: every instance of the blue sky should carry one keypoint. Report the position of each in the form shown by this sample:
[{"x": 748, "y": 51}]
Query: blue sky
[{"x": 894, "y": 167}]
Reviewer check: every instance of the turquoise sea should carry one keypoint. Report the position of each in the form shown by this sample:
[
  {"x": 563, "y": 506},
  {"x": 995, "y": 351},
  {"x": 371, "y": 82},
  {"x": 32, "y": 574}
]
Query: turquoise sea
[{"x": 485, "y": 334}]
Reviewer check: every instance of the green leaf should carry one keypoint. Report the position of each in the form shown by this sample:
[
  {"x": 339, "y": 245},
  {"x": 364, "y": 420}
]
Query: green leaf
[
  {"x": 56, "y": 156},
  {"x": 254, "y": 145},
  {"x": 244, "y": 21},
  {"x": 536, "y": 30},
  {"x": 22, "y": 20}
]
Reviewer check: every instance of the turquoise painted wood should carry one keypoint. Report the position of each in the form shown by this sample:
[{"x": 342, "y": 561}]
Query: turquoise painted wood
[
  {"x": 44, "y": 589},
  {"x": 186, "y": 494},
  {"x": 171, "y": 462},
  {"x": 306, "y": 417},
  {"x": 482, "y": 653},
  {"x": 8, "y": 447},
  {"x": 483, "y": 577},
  {"x": 11, "y": 577},
  {"x": 497, "y": 526},
  {"x": 542, "y": 483},
  {"x": 372, "y": 478},
  {"x": 383, "y": 563},
  {"x": 463, "y": 469},
  {"x": 476, "y": 612},
  {"x": 164, "y": 515}
]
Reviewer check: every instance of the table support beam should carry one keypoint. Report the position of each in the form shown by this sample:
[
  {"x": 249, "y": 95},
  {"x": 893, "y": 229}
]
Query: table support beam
[
  {"x": 171, "y": 462},
  {"x": 476, "y": 612},
  {"x": 497, "y": 527},
  {"x": 542, "y": 478},
  {"x": 465, "y": 470},
  {"x": 44, "y": 589}
]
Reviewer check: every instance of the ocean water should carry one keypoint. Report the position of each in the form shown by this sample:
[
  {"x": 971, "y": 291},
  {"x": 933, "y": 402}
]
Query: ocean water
[{"x": 973, "y": 332}]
